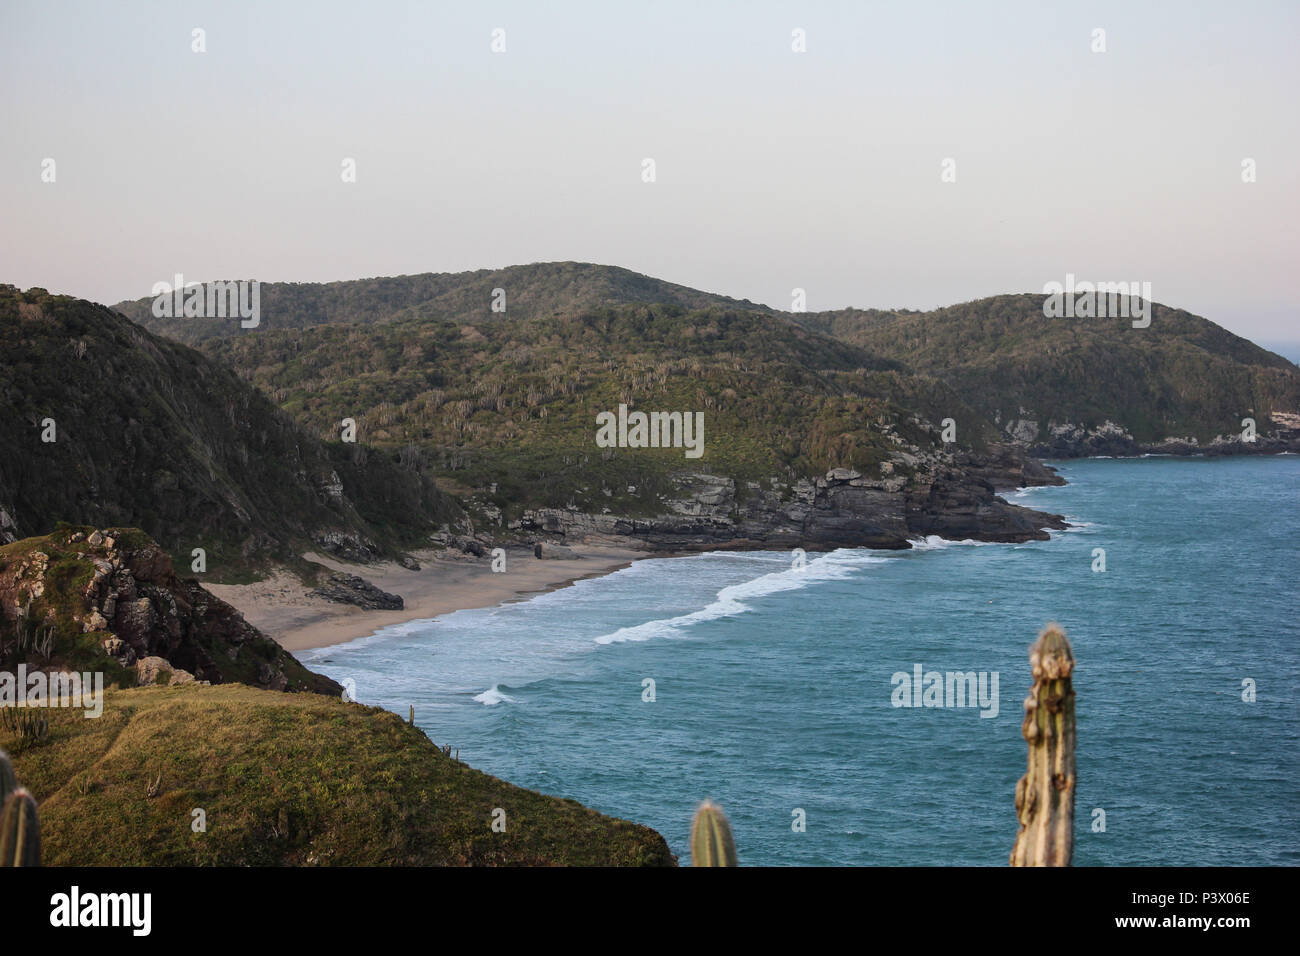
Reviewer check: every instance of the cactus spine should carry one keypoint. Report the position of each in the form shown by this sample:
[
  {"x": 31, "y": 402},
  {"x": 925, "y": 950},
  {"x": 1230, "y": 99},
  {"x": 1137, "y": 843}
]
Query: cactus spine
[
  {"x": 711, "y": 842},
  {"x": 1045, "y": 794},
  {"x": 20, "y": 829}
]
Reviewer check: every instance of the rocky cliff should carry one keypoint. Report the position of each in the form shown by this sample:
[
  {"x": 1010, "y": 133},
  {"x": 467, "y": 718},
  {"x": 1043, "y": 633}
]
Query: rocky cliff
[
  {"x": 108, "y": 424},
  {"x": 108, "y": 599},
  {"x": 1070, "y": 440},
  {"x": 953, "y": 497}
]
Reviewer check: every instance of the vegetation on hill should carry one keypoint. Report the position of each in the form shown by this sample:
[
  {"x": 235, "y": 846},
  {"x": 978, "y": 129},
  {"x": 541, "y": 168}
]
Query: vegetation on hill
[
  {"x": 153, "y": 434},
  {"x": 537, "y": 290},
  {"x": 510, "y": 404},
  {"x": 1182, "y": 376},
  {"x": 289, "y": 779}
]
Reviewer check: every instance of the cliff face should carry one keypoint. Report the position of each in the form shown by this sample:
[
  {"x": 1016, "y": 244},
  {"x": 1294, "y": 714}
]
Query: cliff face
[
  {"x": 952, "y": 499},
  {"x": 111, "y": 425},
  {"x": 1069, "y": 440},
  {"x": 109, "y": 599}
]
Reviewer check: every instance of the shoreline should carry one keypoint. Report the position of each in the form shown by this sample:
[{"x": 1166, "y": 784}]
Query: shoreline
[{"x": 282, "y": 608}]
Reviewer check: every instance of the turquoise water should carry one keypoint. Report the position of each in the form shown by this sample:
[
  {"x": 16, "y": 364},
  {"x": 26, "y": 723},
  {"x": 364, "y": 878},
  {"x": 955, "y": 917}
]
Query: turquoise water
[{"x": 773, "y": 686}]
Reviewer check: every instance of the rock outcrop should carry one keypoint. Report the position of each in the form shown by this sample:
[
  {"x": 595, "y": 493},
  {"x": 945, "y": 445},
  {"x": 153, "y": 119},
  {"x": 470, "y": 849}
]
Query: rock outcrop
[
  {"x": 953, "y": 498},
  {"x": 118, "y": 588},
  {"x": 351, "y": 589},
  {"x": 1070, "y": 440}
]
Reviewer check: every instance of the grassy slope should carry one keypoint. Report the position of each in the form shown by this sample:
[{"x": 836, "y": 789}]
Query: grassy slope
[
  {"x": 290, "y": 779},
  {"x": 1182, "y": 376}
]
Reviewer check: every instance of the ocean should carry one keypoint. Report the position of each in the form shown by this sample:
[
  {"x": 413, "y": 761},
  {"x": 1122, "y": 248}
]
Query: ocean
[{"x": 773, "y": 687}]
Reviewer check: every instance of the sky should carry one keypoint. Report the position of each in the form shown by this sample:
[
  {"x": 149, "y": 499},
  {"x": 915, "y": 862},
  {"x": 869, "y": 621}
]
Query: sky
[{"x": 774, "y": 169}]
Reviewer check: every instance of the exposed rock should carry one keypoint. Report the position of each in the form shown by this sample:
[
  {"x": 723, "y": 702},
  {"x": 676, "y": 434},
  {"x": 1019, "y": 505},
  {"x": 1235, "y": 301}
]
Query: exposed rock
[
  {"x": 149, "y": 669},
  {"x": 133, "y": 596},
  {"x": 1022, "y": 430},
  {"x": 348, "y": 546},
  {"x": 351, "y": 589},
  {"x": 557, "y": 552},
  {"x": 409, "y": 563},
  {"x": 1071, "y": 440},
  {"x": 1006, "y": 467},
  {"x": 469, "y": 546},
  {"x": 950, "y": 496},
  {"x": 117, "y": 648}
]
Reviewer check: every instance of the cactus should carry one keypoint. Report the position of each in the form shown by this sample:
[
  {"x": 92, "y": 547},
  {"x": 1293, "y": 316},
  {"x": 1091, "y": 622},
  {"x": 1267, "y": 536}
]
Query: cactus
[
  {"x": 1045, "y": 794},
  {"x": 711, "y": 842},
  {"x": 20, "y": 829},
  {"x": 8, "y": 781},
  {"x": 30, "y": 726}
]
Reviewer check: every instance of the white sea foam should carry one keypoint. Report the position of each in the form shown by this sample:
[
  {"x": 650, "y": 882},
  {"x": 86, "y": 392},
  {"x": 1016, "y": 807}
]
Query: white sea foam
[
  {"x": 1026, "y": 492},
  {"x": 1075, "y": 526},
  {"x": 494, "y": 696},
  {"x": 932, "y": 542},
  {"x": 730, "y": 601}
]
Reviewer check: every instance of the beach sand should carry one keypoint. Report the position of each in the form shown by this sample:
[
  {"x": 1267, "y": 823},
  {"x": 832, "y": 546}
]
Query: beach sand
[{"x": 281, "y": 607}]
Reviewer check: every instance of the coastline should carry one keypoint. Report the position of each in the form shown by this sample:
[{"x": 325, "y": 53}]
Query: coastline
[{"x": 282, "y": 607}]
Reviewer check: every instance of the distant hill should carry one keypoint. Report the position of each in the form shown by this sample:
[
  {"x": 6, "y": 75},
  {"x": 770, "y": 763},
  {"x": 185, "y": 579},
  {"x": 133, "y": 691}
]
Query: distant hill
[
  {"x": 542, "y": 289},
  {"x": 1183, "y": 377},
  {"x": 152, "y": 434},
  {"x": 1288, "y": 350},
  {"x": 512, "y": 402},
  {"x": 1057, "y": 386}
]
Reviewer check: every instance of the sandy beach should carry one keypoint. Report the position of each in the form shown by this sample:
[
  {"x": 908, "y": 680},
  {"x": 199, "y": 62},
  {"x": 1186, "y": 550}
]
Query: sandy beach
[{"x": 281, "y": 607}]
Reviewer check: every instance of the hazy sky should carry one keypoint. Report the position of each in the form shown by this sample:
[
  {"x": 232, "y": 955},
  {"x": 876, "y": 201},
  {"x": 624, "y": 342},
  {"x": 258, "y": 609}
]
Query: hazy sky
[{"x": 775, "y": 169}]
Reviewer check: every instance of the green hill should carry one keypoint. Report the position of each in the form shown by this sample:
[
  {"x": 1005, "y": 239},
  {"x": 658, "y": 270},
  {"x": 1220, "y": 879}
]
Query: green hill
[
  {"x": 152, "y": 434},
  {"x": 531, "y": 291},
  {"x": 1049, "y": 384},
  {"x": 1182, "y": 377},
  {"x": 512, "y": 402}
]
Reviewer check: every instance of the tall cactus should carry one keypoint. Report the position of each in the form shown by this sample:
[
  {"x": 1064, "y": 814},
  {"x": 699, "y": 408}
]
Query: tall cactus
[
  {"x": 711, "y": 842},
  {"x": 1045, "y": 794},
  {"x": 8, "y": 782},
  {"x": 20, "y": 829}
]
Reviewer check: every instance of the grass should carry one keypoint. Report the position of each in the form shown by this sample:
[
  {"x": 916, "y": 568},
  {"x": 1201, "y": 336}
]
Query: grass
[{"x": 290, "y": 779}]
